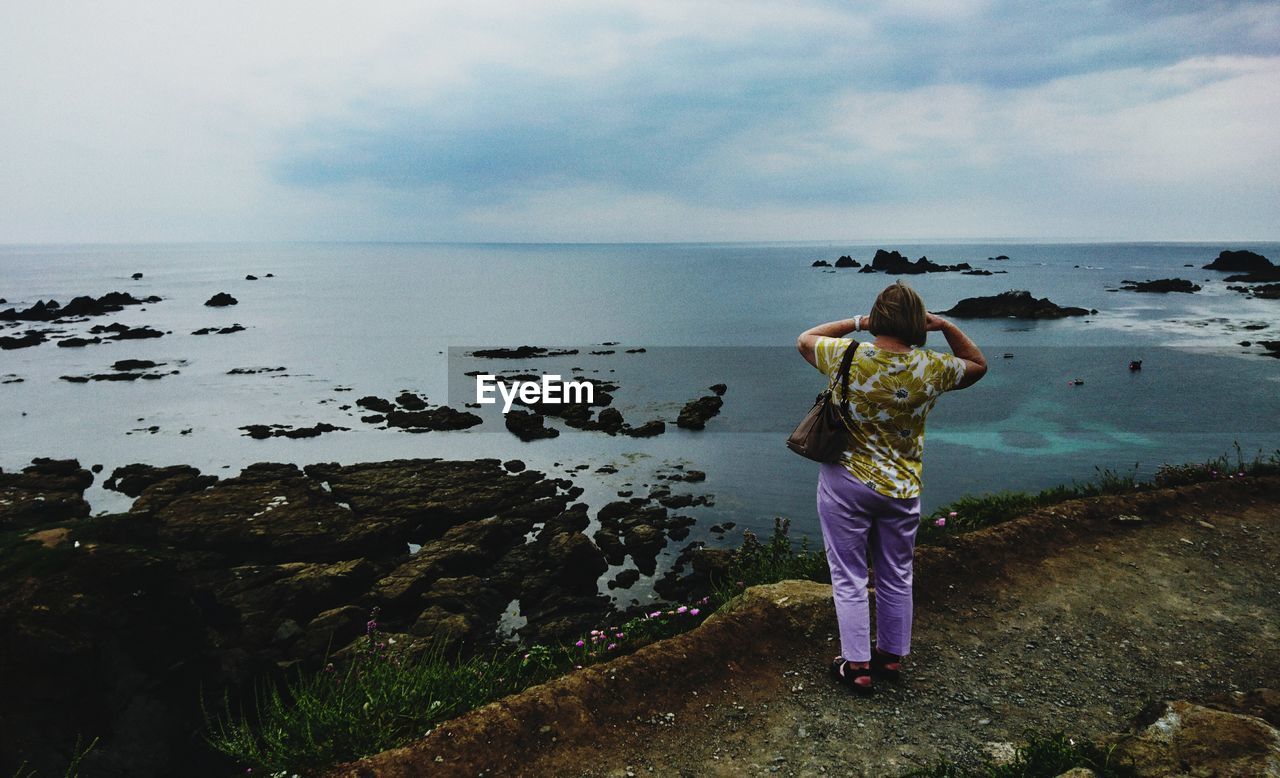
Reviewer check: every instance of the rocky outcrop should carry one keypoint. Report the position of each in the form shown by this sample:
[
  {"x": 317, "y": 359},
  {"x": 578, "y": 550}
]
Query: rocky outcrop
[
  {"x": 45, "y": 491},
  {"x": 79, "y": 307},
  {"x": 237, "y": 327},
  {"x": 695, "y": 413},
  {"x": 894, "y": 263},
  {"x": 264, "y": 431},
  {"x": 1161, "y": 285},
  {"x": 820, "y": 263},
  {"x": 847, "y": 261},
  {"x": 221, "y": 300},
  {"x": 1240, "y": 262},
  {"x": 115, "y": 625},
  {"x": 118, "y": 331},
  {"x": 1016, "y": 304},
  {"x": 1233, "y": 736},
  {"x": 521, "y": 352},
  {"x": 411, "y": 413},
  {"x": 25, "y": 340}
]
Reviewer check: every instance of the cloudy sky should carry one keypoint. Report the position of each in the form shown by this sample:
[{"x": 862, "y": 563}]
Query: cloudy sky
[{"x": 663, "y": 120}]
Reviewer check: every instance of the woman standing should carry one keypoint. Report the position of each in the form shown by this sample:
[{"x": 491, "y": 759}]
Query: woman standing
[{"x": 869, "y": 501}]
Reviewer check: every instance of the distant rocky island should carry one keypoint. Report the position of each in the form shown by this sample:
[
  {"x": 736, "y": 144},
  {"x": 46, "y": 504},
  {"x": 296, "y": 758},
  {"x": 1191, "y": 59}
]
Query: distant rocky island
[{"x": 1018, "y": 304}]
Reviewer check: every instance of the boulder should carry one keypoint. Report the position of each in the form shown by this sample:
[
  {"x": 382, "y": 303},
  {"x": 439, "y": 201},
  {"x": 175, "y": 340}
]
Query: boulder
[
  {"x": 45, "y": 491},
  {"x": 1183, "y": 738},
  {"x": 1016, "y": 304},
  {"x": 695, "y": 413},
  {"x": 1161, "y": 285},
  {"x": 847, "y": 261},
  {"x": 1240, "y": 262},
  {"x": 221, "y": 300}
]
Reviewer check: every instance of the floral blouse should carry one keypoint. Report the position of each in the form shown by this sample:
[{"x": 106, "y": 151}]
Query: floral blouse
[{"x": 890, "y": 393}]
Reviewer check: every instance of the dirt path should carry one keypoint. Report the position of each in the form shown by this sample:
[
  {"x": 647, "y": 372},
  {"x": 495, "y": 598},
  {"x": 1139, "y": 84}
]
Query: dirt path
[{"x": 1076, "y": 638}]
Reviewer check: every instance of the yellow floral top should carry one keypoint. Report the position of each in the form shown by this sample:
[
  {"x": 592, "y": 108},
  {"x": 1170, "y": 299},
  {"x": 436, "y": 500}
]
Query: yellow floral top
[{"x": 890, "y": 393}]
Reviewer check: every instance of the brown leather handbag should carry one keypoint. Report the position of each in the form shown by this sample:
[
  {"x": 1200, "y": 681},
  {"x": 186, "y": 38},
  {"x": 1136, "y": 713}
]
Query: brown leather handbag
[{"x": 822, "y": 434}]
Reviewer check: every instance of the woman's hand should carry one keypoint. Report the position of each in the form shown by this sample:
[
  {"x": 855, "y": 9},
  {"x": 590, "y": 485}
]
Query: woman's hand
[{"x": 934, "y": 323}]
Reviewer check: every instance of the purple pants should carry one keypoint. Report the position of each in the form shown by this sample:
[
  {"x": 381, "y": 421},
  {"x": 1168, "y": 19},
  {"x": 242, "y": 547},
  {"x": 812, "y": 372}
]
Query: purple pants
[{"x": 856, "y": 519}]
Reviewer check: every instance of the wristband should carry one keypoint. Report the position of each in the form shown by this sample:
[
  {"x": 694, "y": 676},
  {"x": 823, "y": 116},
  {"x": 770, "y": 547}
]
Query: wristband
[{"x": 857, "y": 323}]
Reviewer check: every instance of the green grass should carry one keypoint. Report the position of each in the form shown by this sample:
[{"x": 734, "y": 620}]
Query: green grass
[
  {"x": 78, "y": 753},
  {"x": 1043, "y": 756}
]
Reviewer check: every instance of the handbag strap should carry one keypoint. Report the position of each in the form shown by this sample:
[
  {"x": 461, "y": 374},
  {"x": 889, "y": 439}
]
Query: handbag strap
[{"x": 842, "y": 377}]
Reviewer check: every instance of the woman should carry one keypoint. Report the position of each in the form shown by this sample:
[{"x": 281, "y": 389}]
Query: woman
[{"x": 870, "y": 499}]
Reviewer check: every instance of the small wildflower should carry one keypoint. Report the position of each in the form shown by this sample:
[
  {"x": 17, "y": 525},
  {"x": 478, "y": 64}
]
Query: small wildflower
[
  {"x": 671, "y": 613},
  {"x": 612, "y": 646},
  {"x": 618, "y": 635},
  {"x": 952, "y": 514},
  {"x": 705, "y": 600},
  {"x": 655, "y": 614},
  {"x": 693, "y": 611},
  {"x": 526, "y": 656},
  {"x": 740, "y": 583},
  {"x": 941, "y": 521},
  {"x": 580, "y": 643},
  {"x": 682, "y": 609}
]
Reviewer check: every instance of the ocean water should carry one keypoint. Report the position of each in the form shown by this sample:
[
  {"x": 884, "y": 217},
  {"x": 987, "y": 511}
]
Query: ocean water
[{"x": 351, "y": 320}]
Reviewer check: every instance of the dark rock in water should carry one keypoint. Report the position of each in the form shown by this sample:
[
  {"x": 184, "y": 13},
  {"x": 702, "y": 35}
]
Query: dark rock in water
[
  {"x": 647, "y": 430},
  {"x": 78, "y": 342},
  {"x": 1255, "y": 277},
  {"x": 528, "y": 426},
  {"x": 521, "y": 352},
  {"x": 976, "y": 273},
  {"x": 220, "y": 300},
  {"x": 134, "y": 364},
  {"x": 719, "y": 389},
  {"x": 1001, "y": 257},
  {"x": 690, "y": 476},
  {"x": 10, "y": 378},
  {"x": 411, "y": 402},
  {"x": 636, "y": 350},
  {"x": 820, "y": 263},
  {"x": 254, "y": 370},
  {"x": 625, "y": 579},
  {"x": 237, "y": 327},
  {"x": 118, "y": 331},
  {"x": 1272, "y": 347},
  {"x": 136, "y": 276},
  {"x": 441, "y": 418},
  {"x": 1240, "y": 262},
  {"x": 847, "y": 261},
  {"x": 79, "y": 307},
  {"x": 1262, "y": 292},
  {"x": 263, "y": 431},
  {"x": 376, "y": 404},
  {"x": 373, "y": 418},
  {"x": 895, "y": 264},
  {"x": 695, "y": 413},
  {"x": 513, "y": 466},
  {"x": 866, "y": 269},
  {"x": 251, "y": 277},
  {"x": 133, "y": 480},
  {"x": 1014, "y": 303},
  {"x": 45, "y": 491},
  {"x": 26, "y": 340},
  {"x": 1161, "y": 285}
]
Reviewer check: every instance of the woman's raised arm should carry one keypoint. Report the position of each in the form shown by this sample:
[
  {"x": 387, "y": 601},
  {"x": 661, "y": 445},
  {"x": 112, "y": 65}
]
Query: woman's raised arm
[{"x": 832, "y": 329}]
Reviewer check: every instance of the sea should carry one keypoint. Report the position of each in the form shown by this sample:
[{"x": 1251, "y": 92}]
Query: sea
[{"x": 345, "y": 321}]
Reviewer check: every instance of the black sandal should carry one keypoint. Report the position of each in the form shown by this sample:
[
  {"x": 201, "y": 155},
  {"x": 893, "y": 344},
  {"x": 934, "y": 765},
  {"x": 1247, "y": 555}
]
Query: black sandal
[
  {"x": 844, "y": 673},
  {"x": 886, "y": 665}
]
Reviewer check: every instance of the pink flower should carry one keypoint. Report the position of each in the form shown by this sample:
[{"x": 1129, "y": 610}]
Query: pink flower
[
  {"x": 580, "y": 644},
  {"x": 941, "y": 521},
  {"x": 682, "y": 609},
  {"x": 655, "y": 614},
  {"x": 952, "y": 514},
  {"x": 693, "y": 611},
  {"x": 705, "y": 600},
  {"x": 612, "y": 646},
  {"x": 618, "y": 635}
]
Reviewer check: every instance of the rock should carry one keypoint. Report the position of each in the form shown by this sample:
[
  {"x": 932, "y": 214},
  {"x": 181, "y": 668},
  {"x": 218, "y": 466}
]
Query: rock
[
  {"x": 894, "y": 263},
  {"x": 136, "y": 276},
  {"x": 376, "y": 404},
  {"x": 118, "y": 331},
  {"x": 513, "y": 465},
  {"x": 866, "y": 269},
  {"x": 1240, "y": 262},
  {"x": 254, "y": 370},
  {"x": 695, "y": 413},
  {"x": 264, "y": 431},
  {"x": 440, "y": 418},
  {"x": 1256, "y": 276},
  {"x": 79, "y": 307},
  {"x": 1182, "y": 738},
  {"x": 26, "y": 340},
  {"x": 251, "y": 277},
  {"x": 237, "y": 327},
  {"x": 411, "y": 402},
  {"x": 330, "y": 630},
  {"x": 133, "y": 480},
  {"x": 521, "y": 352},
  {"x": 1078, "y": 772},
  {"x": 646, "y": 430},
  {"x": 134, "y": 364},
  {"x": 1161, "y": 285},
  {"x": 45, "y": 491},
  {"x": 976, "y": 273},
  {"x": 820, "y": 263},
  {"x": 719, "y": 389},
  {"x": 77, "y": 342},
  {"x": 1015, "y": 304},
  {"x": 529, "y": 426},
  {"x": 221, "y": 300},
  {"x": 625, "y": 579},
  {"x": 846, "y": 261}
]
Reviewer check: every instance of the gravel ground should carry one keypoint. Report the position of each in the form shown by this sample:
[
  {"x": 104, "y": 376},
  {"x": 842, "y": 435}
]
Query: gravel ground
[{"x": 1078, "y": 642}]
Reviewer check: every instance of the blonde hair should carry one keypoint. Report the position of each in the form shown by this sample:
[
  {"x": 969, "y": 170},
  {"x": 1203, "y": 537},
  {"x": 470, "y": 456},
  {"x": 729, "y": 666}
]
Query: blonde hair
[{"x": 900, "y": 313}]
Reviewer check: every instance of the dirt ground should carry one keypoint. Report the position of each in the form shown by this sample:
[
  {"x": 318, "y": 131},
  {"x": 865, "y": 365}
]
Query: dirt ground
[{"x": 1074, "y": 636}]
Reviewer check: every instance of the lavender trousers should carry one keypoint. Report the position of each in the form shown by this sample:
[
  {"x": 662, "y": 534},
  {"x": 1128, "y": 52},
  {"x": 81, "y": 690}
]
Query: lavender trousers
[{"x": 856, "y": 519}]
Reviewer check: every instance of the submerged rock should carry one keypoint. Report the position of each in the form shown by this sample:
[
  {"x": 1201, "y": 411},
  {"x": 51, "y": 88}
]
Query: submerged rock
[
  {"x": 1161, "y": 285},
  {"x": 79, "y": 307},
  {"x": 521, "y": 352}
]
